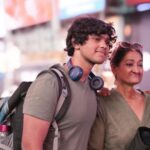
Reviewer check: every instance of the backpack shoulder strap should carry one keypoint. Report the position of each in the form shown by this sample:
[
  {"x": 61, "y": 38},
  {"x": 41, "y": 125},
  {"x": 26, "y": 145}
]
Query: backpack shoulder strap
[
  {"x": 65, "y": 96},
  {"x": 63, "y": 103}
]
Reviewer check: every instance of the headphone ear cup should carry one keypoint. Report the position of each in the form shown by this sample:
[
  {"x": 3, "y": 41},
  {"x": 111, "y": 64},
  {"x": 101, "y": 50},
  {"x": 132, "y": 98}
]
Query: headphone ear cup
[
  {"x": 96, "y": 83},
  {"x": 75, "y": 73}
]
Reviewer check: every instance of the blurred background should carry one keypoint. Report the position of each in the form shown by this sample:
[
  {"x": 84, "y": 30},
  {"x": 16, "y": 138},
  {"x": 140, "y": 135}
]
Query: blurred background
[{"x": 33, "y": 32}]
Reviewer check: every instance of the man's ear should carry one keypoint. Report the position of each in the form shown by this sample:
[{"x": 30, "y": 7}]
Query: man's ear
[{"x": 75, "y": 45}]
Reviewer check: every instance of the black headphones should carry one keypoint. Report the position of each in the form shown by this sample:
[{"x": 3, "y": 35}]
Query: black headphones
[{"x": 76, "y": 72}]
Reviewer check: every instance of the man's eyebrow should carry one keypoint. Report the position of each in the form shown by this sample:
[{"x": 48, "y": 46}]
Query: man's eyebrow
[{"x": 105, "y": 36}]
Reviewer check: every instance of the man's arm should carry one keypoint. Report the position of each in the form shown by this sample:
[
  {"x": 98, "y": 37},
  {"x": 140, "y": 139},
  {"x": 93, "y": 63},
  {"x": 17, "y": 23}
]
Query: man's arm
[{"x": 34, "y": 133}]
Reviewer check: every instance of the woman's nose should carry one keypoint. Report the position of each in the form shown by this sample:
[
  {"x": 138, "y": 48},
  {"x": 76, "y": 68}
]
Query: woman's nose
[{"x": 136, "y": 69}]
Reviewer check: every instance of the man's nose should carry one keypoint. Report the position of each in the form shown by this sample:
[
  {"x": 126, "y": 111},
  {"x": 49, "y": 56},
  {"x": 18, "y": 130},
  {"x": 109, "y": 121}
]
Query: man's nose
[{"x": 103, "y": 44}]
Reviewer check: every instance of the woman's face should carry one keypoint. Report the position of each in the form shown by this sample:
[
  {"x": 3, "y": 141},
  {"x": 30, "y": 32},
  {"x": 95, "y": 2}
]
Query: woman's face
[{"x": 130, "y": 69}]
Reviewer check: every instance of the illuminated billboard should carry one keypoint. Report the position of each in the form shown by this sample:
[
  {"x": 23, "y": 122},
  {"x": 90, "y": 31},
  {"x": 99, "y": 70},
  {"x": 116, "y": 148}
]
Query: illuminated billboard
[
  {"x": 22, "y": 13},
  {"x": 136, "y": 2},
  {"x": 72, "y": 8}
]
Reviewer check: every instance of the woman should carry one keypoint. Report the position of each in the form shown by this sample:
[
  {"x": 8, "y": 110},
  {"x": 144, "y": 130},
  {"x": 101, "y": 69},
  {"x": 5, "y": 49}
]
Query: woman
[{"x": 121, "y": 113}]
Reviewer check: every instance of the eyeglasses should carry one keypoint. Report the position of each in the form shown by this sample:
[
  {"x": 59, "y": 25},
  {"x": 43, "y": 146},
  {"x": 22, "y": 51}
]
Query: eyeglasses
[
  {"x": 135, "y": 46},
  {"x": 132, "y": 46}
]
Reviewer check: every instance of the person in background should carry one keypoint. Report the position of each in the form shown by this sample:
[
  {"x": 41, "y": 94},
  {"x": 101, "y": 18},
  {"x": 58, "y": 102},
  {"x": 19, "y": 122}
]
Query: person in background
[
  {"x": 124, "y": 115},
  {"x": 88, "y": 42}
]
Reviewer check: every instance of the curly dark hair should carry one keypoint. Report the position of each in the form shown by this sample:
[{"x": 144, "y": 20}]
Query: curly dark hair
[{"x": 85, "y": 26}]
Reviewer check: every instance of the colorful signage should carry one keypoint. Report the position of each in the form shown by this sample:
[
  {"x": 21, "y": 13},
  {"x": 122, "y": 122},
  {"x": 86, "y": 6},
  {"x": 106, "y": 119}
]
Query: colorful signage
[
  {"x": 72, "y": 8},
  {"x": 136, "y": 2},
  {"x": 22, "y": 13}
]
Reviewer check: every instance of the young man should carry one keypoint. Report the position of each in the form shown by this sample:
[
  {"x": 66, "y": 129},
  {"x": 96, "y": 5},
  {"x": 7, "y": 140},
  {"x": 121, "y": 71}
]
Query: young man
[{"x": 88, "y": 43}]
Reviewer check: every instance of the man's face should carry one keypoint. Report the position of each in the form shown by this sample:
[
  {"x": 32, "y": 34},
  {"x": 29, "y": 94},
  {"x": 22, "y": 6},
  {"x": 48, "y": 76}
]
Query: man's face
[{"x": 95, "y": 49}]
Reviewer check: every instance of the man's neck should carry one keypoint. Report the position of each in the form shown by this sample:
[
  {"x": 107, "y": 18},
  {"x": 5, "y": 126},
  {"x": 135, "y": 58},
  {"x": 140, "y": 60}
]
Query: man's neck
[{"x": 86, "y": 67}]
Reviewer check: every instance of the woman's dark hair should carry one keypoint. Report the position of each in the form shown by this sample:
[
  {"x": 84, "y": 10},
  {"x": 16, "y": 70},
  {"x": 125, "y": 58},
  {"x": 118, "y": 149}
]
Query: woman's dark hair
[
  {"x": 121, "y": 50},
  {"x": 83, "y": 27}
]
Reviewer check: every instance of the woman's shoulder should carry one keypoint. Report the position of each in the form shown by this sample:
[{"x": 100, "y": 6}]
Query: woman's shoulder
[
  {"x": 107, "y": 103},
  {"x": 112, "y": 94},
  {"x": 147, "y": 95}
]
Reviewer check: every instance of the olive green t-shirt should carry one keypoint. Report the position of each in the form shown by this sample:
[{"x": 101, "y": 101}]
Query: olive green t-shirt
[
  {"x": 41, "y": 102},
  {"x": 116, "y": 124}
]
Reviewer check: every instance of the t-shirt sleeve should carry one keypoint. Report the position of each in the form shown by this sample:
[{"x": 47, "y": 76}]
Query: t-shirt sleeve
[{"x": 42, "y": 96}]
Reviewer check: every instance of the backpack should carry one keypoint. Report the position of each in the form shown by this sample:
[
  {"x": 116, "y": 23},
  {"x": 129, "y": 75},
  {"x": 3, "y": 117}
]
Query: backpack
[{"x": 17, "y": 100}]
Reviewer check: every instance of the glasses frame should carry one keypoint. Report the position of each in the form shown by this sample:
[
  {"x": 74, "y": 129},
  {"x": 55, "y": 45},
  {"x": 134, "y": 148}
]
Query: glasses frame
[{"x": 136, "y": 46}]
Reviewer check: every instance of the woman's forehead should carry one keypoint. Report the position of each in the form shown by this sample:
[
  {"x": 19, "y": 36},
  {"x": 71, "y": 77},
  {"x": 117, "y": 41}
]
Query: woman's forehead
[{"x": 132, "y": 55}]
